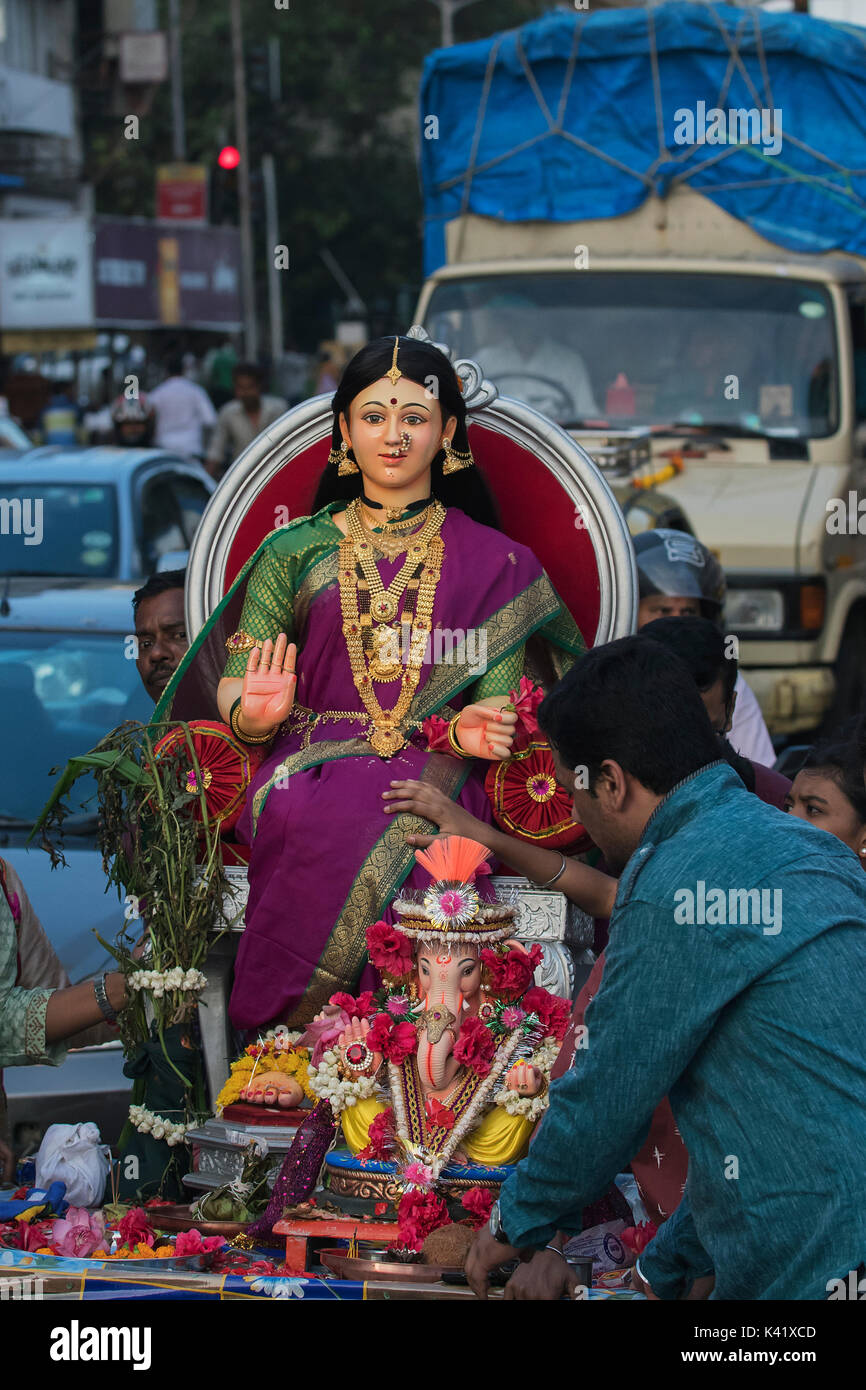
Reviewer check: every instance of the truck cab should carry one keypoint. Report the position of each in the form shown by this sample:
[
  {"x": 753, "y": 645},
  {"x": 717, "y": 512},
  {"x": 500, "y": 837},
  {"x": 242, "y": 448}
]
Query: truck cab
[{"x": 720, "y": 383}]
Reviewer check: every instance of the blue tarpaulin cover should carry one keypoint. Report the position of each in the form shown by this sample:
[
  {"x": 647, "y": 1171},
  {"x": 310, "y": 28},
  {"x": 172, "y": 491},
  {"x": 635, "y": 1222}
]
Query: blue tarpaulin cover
[{"x": 575, "y": 115}]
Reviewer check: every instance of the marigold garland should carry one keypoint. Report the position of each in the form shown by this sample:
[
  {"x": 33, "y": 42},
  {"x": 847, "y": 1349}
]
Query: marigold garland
[{"x": 263, "y": 1056}]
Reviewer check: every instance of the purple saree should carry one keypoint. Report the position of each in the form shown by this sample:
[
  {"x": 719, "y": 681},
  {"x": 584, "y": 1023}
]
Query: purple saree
[{"x": 326, "y": 859}]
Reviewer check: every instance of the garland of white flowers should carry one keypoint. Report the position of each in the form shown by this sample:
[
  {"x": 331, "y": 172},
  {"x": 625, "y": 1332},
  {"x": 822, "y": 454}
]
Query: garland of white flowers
[
  {"x": 161, "y": 982},
  {"x": 532, "y": 1107},
  {"x": 341, "y": 1092},
  {"x": 146, "y": 1122}
]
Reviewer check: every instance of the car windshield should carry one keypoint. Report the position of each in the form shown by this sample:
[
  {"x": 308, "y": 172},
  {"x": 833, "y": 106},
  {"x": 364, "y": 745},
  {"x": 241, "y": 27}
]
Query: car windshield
[
  {"x": 753, "y": 354},
  {"x": 61, "y": 693},
  {"x": 59, "y": 528}
]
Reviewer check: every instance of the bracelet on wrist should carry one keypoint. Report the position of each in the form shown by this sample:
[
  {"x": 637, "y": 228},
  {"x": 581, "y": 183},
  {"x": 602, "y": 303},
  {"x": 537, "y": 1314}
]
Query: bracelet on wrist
[
  {"x": 102, "y": 999},
  {"x": 239, "y": 732},
  {"x": 556, "y": 1250},
  {"x": 452, "y": 739},
  {"x": 560, "y": 871}
]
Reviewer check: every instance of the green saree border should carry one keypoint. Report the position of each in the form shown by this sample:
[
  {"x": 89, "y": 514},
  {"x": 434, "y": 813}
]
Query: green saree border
[{"x": 385, "y": 868}]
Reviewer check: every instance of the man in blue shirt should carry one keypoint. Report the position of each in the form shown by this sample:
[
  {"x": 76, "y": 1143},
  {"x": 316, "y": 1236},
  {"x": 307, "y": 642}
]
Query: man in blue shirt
[{"x": 734, "y": 984}]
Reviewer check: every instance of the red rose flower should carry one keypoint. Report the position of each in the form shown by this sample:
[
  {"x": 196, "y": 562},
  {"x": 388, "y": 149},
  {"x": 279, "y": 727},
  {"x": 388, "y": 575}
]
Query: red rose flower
[
  {"x": 475, "y": 1048},
  {"x": 435, "y": 730},
  {"x": 361, "y": 1007},
  {"x": 553, "y": 1012},
  {"x": 526, "y": 701},
  {"x": 135, "y": 1228},
  {"x": 512, "y": 972},
  {"x": 418, "y": 1214},
  {"x": 438, "y": 1115},
  {"x": 396, "y": 1041},
  {"x": 380, "y": 1136},
  {"x": 389, "y": 949},
  {"x": 637, "y": 1238},
  {"x": 478, "y": 1202}
]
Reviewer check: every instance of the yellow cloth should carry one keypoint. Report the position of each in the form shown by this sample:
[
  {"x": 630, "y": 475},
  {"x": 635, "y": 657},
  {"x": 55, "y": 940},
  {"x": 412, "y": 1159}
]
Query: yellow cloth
[{"x": 499, "y": 1138}]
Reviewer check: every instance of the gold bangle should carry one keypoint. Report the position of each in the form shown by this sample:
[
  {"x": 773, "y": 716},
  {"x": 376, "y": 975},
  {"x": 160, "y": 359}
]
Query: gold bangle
[
  {"x": 452, "y": 739},
  {"x": 238, "y": 732}
]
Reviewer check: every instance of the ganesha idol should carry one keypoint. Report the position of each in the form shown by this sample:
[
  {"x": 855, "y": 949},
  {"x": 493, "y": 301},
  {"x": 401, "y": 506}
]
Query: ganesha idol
[{"x": 440, "y": 1078}]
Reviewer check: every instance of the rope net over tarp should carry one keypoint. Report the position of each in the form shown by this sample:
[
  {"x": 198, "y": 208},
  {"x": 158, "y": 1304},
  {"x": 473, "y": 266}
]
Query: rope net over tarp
[{"x": 585, "y": 115}]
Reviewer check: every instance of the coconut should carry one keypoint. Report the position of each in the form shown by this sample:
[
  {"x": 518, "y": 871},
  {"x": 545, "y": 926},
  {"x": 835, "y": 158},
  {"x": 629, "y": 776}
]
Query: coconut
[{"x": 448, "y": 1245}]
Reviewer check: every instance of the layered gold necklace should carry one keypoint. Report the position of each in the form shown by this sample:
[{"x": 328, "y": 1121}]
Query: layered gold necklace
[{"x": 369, "y": 608}]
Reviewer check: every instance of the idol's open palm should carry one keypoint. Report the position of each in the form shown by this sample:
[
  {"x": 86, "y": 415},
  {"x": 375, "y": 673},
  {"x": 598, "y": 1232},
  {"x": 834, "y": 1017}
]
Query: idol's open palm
[{"x": 269, "y": 685}]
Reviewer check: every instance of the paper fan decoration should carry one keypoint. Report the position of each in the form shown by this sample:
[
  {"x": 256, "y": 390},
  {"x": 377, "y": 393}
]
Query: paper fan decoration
[
  {"x": 227, "y": 768},
  {"x": 528, "y": 803}
]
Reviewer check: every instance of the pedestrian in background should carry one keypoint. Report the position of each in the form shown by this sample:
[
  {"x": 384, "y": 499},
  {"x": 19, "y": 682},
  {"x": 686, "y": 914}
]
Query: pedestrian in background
[
  {"x": 183, "y": 412},
  {"x": 240, "y": 421}
]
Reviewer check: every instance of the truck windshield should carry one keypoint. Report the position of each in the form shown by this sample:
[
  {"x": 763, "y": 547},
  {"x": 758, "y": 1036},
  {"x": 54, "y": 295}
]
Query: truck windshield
[{"x": 753, "y": 353}]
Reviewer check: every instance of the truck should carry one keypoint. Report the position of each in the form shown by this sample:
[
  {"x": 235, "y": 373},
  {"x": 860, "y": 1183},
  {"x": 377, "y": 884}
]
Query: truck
[{"x": 700, "y": 329}]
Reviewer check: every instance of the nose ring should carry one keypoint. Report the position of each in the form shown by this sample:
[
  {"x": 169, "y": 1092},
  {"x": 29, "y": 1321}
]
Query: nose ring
[{"x": 405, "y": 438}]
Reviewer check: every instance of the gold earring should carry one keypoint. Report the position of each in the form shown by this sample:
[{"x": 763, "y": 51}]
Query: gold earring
[
  {"x": 340, "y": 457},
  {"x": 455, "y": 459}
]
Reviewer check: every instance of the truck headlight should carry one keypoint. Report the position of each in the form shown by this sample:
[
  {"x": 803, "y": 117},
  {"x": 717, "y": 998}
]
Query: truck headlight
[{"x": 755, "y": 610}]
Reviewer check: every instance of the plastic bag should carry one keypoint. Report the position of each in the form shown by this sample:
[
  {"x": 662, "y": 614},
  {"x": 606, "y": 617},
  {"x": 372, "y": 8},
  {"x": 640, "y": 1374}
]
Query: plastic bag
[{"x": 74, "y": 1155}]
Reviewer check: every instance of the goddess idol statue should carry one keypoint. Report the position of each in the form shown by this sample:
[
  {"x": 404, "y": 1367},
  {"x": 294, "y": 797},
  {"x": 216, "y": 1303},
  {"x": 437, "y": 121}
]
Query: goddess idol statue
[{"x": 345, "y": 634}]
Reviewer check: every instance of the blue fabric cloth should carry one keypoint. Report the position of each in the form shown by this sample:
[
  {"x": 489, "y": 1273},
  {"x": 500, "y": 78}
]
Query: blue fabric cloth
[
  {"x": 753, "y": 1028},
  {"x": 510, "y": 151}
]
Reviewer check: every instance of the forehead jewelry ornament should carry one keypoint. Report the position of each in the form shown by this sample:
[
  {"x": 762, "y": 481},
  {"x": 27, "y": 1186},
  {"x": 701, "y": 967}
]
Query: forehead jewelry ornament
[{"x": 394, "y": 374}]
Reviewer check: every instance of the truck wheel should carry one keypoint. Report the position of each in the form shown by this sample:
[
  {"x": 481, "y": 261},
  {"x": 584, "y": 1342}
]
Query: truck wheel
[{"x": 850, "y": 673}]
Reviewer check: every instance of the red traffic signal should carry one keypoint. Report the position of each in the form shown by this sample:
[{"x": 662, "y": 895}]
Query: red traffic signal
[{"x": 228, "y": 157}]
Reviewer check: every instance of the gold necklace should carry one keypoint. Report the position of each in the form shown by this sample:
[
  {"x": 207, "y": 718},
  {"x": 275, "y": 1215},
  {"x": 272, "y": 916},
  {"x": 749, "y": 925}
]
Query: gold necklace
[
  {"x": 385, "y": 603},
  {"x": 386, "y": 733},
  {"x": 407, "y": 524}
]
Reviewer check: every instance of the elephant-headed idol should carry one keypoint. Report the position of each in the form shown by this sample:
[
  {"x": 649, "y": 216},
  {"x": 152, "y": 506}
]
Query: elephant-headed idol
[{"x": 448, "y": 1064}]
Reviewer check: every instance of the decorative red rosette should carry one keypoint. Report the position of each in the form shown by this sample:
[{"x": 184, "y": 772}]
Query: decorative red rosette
[
  {"x": 227, "y": 768},
  {"x": 528, "y": 803},
  {"x": 511, "y": 972},
  {"x": 390, "y": 950},
  {"x": 438, "y": 1115},
  {"x": 475, "y": 1047}
]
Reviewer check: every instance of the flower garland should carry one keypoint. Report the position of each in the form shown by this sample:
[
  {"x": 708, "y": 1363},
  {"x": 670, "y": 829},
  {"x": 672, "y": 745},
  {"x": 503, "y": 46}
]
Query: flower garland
[
  {"x": 162, "y": 982},
  {"x": 146, "y": 1122},
  {"x": 281, "y": 1054},
  {"x": 328, "y": 1083}
]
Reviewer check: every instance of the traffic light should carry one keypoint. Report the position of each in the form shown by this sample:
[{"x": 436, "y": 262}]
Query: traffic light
[
  {"x": 229, "y": 157},
  {"x": 224, "y": 187}
]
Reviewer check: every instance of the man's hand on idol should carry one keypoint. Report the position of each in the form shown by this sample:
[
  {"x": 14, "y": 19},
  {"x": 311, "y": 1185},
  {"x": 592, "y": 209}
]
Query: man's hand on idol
[
  {"x": 269, "y": 686},
  {"x": 486, "y": 1255},
  {"x": 486, "y": 731},
  {"x": 545, "y": 1277},
  {"x": 423, "y": 800}
]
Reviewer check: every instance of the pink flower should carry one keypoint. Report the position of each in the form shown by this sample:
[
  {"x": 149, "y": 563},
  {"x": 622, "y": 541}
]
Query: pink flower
[
  {"x": 513, "y": 1016},
  {"x": 475, "y": 1047},
  {"x": 435, "y": 730},
  {"x": 396, "y": 1041},
  {"x": 194, "y": 1243},
  {"x": 361, "y": 1007},
  {"x": 135, "y": 1228},
  {"x": 477, "y": 1202},
  {"x": 78, "y": 1233},
  {"x": 418, "y": 1214},
  {"x": 322, "y": 1033},
  {"x": 637, "y": 1238},
  {"x": 389, "y": 949},
  {"x": 418, "y": 1175},
  {"x": 526, "y": 701},
  {"x": 397, "y": 1004},
  {"x": 511, "y": 971},
  {"x": 553, "y": 1012}
]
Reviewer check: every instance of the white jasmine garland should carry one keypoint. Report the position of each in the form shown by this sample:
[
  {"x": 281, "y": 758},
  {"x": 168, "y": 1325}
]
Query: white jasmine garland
[
  {"x": 328, "y": 1083},
  {"x": 146, "y": 1122},
  {"x": 160, "y": 982},
  {"x": 531, "y": 1107}
]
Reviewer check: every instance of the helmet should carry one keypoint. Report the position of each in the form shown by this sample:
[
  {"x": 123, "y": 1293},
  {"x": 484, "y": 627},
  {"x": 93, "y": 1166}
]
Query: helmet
[
  {"x": 675, "y": 563},
  {"x": 134, "y": 410}
]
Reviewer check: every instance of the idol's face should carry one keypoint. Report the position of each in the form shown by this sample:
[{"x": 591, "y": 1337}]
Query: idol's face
[{"x": 395, "y": 432}]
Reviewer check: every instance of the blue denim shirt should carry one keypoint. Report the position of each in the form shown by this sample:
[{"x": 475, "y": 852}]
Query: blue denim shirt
[{"x": 746, "y": 1009}]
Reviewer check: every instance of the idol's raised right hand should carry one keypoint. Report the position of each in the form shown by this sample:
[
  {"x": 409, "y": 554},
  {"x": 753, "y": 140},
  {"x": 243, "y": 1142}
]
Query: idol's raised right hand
[{"x": 269, "y": 686}]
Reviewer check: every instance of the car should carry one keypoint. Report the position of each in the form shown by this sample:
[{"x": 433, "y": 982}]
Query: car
[
  {"x": 67, "y": 677},
  {"x": 102, "y": 513}
]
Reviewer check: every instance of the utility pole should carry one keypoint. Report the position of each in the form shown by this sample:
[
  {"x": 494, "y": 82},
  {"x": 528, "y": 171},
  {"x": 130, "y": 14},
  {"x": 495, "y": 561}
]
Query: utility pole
[
  {"x": 248, "y": 284},
  {"x": 447, "y": 10},
  {"x": 275, "y": 303},
  {"x": 178, "y": 123}
]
